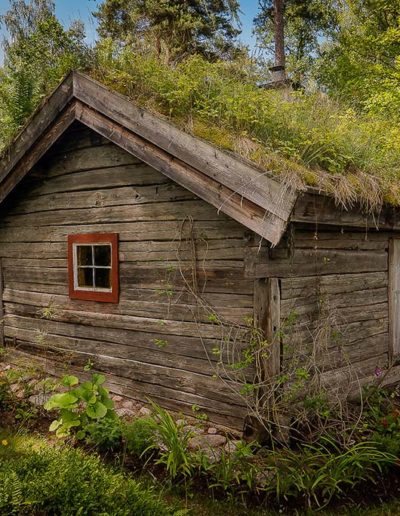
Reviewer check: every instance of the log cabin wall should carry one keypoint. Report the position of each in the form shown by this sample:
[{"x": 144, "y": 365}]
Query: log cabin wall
[
  {"x": 149, "y": 343},
  {"x": 334, "y": 301}
]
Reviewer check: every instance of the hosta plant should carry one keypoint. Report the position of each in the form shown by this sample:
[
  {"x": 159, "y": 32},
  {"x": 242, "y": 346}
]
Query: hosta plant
[{"x": 82, "y": 405}]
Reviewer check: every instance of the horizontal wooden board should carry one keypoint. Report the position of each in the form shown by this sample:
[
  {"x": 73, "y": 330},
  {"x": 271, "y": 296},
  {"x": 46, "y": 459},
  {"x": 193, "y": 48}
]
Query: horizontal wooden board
[
  {"x": 331, "y": 284},
  {"x": 190, "y": 347},
  {"x": 158, "y": 211},
  {"x": 305, "y": 262},
  {"x": 318, "y": 302},
  {"x": 136, "y": 231},
  {"x": 129, "y": 353},
  {"x": 119, "y": 196},
  {"x": 346, "y": 313},
  {"x": 139, "y": 251},
  {"x": 368, "y": 240},
  {"x": 136, "y": 277},
  {"x": 109, "y": 316},
  {"x": 91, "y": 158},
  {"x": 129, "y": 175}
]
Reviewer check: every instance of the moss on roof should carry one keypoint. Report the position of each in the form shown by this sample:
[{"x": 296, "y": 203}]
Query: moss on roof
[{"x": 305, "y": 139}]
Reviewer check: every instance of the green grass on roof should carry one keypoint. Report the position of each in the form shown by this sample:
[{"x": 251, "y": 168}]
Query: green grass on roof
[{"x": 305, "y": 139}]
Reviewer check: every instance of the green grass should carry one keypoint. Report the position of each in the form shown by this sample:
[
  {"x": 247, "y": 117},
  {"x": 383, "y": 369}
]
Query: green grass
[
  {"x": 38, "y": 478},
  {"x": 42, "y": 477}
]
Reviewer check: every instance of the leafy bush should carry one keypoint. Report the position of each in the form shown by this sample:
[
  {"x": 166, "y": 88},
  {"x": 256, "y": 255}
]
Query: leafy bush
[
  {"x": 105, "y": 433},
  {"x": 382, "y": 419},
  {"x": 139, "y": 435},
  {"x": 38, "y": 479},
  {"x": 80, "y": 406}
]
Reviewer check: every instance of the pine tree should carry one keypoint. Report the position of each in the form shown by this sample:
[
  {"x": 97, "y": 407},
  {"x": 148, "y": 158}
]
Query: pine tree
[{"x": 174, "y": 29}]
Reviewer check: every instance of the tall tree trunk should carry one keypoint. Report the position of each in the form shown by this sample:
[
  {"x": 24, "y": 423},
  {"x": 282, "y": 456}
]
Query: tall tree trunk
[
  {"x": 279, "y": 33},
  {"x": 278, "y": 70}
]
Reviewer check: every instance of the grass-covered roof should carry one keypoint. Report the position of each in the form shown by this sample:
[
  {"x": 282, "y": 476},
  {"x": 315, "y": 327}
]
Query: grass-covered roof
[{"x": 304, "y": 138}]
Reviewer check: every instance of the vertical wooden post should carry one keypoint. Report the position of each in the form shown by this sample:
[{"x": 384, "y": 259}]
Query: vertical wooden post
[
  {"x": 267, "y": 319},
  {"x": 1, "y": 304},
  {"x": 394, "y": 299}
]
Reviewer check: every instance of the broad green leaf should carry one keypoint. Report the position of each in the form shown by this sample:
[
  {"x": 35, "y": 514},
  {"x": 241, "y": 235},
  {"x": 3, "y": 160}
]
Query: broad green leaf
[
  {"x": 68, "y": 415},
  {"x": 98, "y": 379},
  {"x": 54, "y": 425},
  {"x": 84, "y": 393},
  {"x": 96, "y": 411},
  {"x": 70, "y": 381},
  {"x": 63, "y": 400},
  {"x": 108, "y": 403},
  {"x": 71, "y": 424},
  {"x": 62, "y": 432},
  {"x": 87, "y": 386}
]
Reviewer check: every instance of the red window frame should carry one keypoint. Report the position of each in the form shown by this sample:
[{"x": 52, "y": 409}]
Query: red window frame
[{"x": 93, "y": 295}]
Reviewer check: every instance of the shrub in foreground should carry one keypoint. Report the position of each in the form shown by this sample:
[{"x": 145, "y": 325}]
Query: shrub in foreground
[{"x": 45, "y": 480}]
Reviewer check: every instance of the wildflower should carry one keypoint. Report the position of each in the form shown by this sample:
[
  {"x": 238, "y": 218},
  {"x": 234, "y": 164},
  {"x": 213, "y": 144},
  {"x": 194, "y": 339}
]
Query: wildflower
[
  {"x": 4, "y": 442},
  {"x": 378, "y": 372}
]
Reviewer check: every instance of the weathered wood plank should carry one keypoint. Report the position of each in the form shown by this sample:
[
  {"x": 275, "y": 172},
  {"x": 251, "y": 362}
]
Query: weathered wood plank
[
  {"x": 211, "y": 388},
  {"x": 129, "y": 175},
  {"x": 138, "y": 251},
  {"x": 350, "y": 379},
  {"x": 321, "y": 210},
  {"x": 136, "y": 277},
  {"x": 267, "y": 319},
  {"x": 109, "y": 316},
  {"x": 176, "y": 346},
  {"x": 316, "y": 302},
  {"x": 120, "y": 196},
  {"x": 138, "y": 231},
  {"x": 76, "y": 137},
  {"x": 331, "y": 284},
  {"x": 304, "y": 262},
  {"x": 178, "y": 210},
  {"x": 151, "y": 355},
  {"x": 343, "y": 332},
  {"x": 87, "y": 159},
  {"x": 165, "y": 307},
  {"x": 394, "y": 299},
  {"x": 368, "y": 240}
]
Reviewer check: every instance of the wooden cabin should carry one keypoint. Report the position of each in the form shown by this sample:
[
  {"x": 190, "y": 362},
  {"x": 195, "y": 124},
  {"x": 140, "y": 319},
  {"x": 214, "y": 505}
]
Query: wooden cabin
[{"x": 130, "y": 244}]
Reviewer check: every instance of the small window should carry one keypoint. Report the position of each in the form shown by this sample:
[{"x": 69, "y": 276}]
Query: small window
[{"x": 93, "y": 267}]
